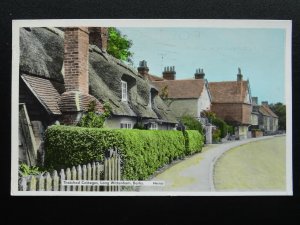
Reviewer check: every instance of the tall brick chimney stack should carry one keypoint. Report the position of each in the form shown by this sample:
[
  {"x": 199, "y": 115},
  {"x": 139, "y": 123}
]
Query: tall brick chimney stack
[
  {"x": 76, "y": 55},
  {"x": 169, "y": 73},
  {"x": 99, "y": 37},
  {"x": 143, "y": 69},
  {"x": 75, "y": 100},
  {"x": 199, "y": 74}
]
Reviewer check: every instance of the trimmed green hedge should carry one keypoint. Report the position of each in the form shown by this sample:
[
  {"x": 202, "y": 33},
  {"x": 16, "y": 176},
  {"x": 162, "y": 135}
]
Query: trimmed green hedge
[
  {"x": 142, "y": 151},
  {"x": 194, "y": 141},
  {"x": 66, "y": 146}
]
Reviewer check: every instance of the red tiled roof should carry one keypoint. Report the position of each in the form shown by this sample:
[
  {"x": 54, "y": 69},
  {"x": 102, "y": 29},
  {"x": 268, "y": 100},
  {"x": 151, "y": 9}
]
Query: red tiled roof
[
  {"x": 181, "y": 88},
  {"x": 228, "y": 91},
  {"x": 44, "y": 91},
  {"x": 265, "y": 110}
]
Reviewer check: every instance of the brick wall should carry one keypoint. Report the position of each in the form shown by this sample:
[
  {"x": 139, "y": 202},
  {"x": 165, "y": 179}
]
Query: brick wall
[
  {"x": 99, "y": 37},
  {"x": 236, "y": 113},
  {"x": 169, "y": 75},
  {"x": 76, "y": 48}
]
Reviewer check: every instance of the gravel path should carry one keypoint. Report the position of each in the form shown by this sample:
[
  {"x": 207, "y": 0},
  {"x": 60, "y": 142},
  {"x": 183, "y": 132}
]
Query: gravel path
[{"x": 195, "y": 174}]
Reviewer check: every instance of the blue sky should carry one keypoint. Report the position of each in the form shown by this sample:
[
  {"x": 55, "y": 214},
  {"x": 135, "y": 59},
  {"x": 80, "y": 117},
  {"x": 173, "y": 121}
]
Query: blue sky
[{"x": 219, "y": 51}]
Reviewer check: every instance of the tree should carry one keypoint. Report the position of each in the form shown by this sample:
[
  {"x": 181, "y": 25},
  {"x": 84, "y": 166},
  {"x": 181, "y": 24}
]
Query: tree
[
  {"x": 280, "y": 110},
  {"x": 119, "y": 45}
]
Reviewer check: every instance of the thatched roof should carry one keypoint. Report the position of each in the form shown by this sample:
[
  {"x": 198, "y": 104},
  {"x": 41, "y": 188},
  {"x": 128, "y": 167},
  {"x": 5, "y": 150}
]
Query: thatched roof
[{"x": 41, "y": 54}]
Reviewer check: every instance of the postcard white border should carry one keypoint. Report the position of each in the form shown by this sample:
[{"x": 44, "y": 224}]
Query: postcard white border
[{"x": 281, "y": 24}]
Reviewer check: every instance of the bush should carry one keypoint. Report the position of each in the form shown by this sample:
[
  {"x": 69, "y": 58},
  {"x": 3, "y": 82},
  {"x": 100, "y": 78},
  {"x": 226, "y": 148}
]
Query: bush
[
  {"x": 142, "y": 151},
  {"x": 216, "y": 136},
  {"x": 145, "y": 151},
  {"x": 191, "y": 123},
  {"x": 66, "y": 146},
  {"x": 194, "y": 141}
]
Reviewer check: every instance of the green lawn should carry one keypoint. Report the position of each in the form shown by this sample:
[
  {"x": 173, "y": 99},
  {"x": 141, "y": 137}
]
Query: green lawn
[{"x": 257, "y": 166}]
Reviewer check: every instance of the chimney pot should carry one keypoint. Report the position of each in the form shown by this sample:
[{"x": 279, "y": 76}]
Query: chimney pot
[
  {"x": 239, "y": 75},
  {"x": 143, "y": 69},
  {"x": 169, "y": 73},
  {"x": 199, "y": 74}
]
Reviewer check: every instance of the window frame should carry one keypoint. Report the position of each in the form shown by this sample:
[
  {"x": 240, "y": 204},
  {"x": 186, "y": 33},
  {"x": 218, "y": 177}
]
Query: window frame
[
  {"x": 124, "y": 89},
  {"x": 126, "y": 125}
]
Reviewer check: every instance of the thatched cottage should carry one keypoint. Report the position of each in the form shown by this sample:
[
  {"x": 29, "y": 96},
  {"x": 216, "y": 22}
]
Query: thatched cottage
[{"x": 62, "y": 70}]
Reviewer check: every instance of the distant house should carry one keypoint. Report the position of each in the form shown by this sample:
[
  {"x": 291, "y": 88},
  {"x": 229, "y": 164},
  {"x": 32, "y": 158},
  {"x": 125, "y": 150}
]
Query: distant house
[
  {"x": 231, "y": 101},
  {"x": 267, "y": 119},
  {"x": 63, "y": 70},
  {"x": 183, "y": 97}
]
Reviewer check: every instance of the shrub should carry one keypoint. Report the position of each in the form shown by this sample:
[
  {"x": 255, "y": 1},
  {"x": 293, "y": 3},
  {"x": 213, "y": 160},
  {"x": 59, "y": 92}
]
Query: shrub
[
  {"x": 66, "y": 146},
  {"x": 194, "y": 141},
  {"x": 25, "y": 170},
  {"x": 142, "y": 151},
  {"x": 93, "y": 120},
  {"x": 216, "y": 136},
  {"x": 145, "y": 151},
  {"x": 191, "y": 123}
]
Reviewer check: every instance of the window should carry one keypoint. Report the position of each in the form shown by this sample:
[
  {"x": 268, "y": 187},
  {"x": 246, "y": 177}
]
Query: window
[
  {"x": 153, "y": 126},
  {"x": 124, "y": 90},
  {"x": 126, "y": 125}
]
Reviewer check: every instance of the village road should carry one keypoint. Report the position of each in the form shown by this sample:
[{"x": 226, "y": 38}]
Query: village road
[{"x": 195, "y": 174}]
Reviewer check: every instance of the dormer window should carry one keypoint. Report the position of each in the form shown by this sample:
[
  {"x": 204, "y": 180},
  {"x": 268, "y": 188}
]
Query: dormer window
[{"x": 124, "y": 91}]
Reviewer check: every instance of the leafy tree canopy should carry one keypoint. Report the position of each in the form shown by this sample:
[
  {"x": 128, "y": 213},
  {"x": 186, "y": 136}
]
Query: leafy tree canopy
[
  {"x": 280, "y": 110},
  {"x": 119, "y": 45}
]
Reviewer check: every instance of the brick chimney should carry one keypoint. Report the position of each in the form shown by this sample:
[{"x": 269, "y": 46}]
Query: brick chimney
[
  {"x": 254, "y": 100},
  {"x": 99, "y": 37},
  {"x": 239, "y": 75},
  {"x": 143, "y": 69},
  {"x": 76, "y": 55},
  {"x": 169, "y": 73},
  {"x": 199, "y": 74},
  {"x": 75, "y": 100}
]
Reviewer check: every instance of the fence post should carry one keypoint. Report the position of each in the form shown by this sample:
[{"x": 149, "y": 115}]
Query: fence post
[
  {"x": 98, "y": 172},
  {"x": 48, "y": 182},
  {"x": 94, "y": 176},
  {"x": 68, "y": 177},
  {"x": 62, "y": 178},
  {"x": 41, "y": 183},
  {"x": 84, "y": 173},
  {"x": 119, "y": 170},
  {"x": 74, "y": 177},
  {"x": 79, "y": 175},
  {"x": 55, "y": 179},
  {"x": 89, "y": 175},
  {"x": 32, "y": 183},
  {"x": 23, "y": 184},
  {"x": 105, "y": 172}
]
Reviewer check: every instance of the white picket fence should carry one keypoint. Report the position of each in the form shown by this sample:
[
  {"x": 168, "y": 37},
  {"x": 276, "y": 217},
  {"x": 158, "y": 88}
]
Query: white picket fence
[{"x": 111, "y": 170}]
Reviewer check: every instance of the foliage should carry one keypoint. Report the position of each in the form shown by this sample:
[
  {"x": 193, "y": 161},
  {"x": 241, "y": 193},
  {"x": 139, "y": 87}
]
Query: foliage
[
  {"x": 145, "y": 151},
  {"x": 66, "y": 146},
  {"x": 164, "y": 92},
  {"x": 216, "y": 136},
  {"x": 119, "y": 45},
  {"x": 223, "y": 127},
  {"x": 194, "y": 141},
  {"x": 191, "y": 123},
  {"x": 142, "y": 151},
  {"x": 280, "y": 110},
  {"x": 93, "y": 120},
  {"x": 25, "y": 170}
]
